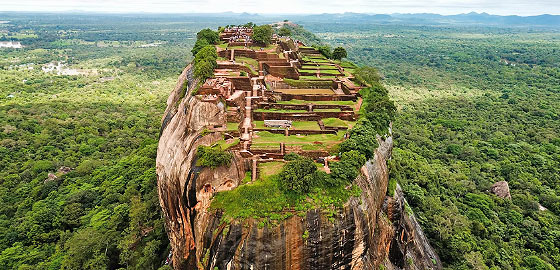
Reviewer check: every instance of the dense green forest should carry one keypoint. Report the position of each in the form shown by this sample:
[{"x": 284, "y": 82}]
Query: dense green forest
[
  {"x": 476, "y": 105},
  {"x": 104, "y": 124}
]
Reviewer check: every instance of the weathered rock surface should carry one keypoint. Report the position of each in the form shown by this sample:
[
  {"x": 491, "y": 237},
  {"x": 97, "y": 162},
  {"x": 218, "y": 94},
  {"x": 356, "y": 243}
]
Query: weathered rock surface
[
  {"x": 368, "y": 231},
  {"x": 501, "y": 189}
]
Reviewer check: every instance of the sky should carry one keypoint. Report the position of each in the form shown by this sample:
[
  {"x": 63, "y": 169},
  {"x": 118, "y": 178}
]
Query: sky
[{"x": 445, "y": 7}]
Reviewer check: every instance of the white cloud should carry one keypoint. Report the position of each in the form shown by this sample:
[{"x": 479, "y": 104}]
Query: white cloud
[{"x": 500, "y": 7}]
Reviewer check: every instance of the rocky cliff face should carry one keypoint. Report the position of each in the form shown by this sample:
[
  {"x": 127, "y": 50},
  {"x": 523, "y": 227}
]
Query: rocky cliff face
[{"x": 368, "y": 232}]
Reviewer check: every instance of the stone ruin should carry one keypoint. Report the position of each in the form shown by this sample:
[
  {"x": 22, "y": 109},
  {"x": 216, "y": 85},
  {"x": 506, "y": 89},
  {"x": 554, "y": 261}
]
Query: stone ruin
[{"x": 280, "y": 85}]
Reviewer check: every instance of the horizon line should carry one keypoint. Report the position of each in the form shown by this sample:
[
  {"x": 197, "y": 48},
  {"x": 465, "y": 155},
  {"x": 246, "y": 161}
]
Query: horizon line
[{"x": 263, "y": 13}]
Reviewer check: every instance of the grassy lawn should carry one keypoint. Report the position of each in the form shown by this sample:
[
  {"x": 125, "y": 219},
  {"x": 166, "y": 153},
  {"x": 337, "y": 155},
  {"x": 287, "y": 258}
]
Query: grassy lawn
[
  {"x": 326, "y": 110},
  {"x": 267, "y": 137},
  {"x": 253, "y": 71},
  {"x": 311, "y": 147},
  {"x": 350, "y": 70},
  {"x": 316, "y": 56},
  {"x": 328, "y": 71},
  {"x": 312, "y": 78},
  {"x": 260, "y": 124},
  {"x": 250, "y": 61},
  {"x": 301, "y": 125},
  {"x": 222, "y": 46},
  {"x": 336, "y": 102},
  {"x": 232, "y": 126},
  {"x": 269, "y": 168},
  {"x": 265, "y": 146},
  {"x": 227, "y": 144},
  {"x": 306, "y": 91},
  {"x": 316, "y": 60},
  {"x": 308, "y": 70},
  {"x": 306, "y": 125},
  {"x": 280, "y": 111},
  {"x": 335, "y": 122},
  {"x": 315, "y": 66},
  {"x": 345, "y": 64}
]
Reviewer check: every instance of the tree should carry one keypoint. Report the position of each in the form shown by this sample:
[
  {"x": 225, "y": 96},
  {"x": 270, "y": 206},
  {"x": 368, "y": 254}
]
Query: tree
[
  {"x": 212, "y": 37},
  {"x": 284, "y": 31},
  {"x": 203, "y": 70},
  {"x": 262, "y": 34},
  {"x": 325, "y": 50},
  {"x": 299, "y": 175},
  {"x": 249, "y": 25},
  {"x": 213, "y": 157},
  {"x": 346, "y": 170},
  {"x": 200, "y": 43},
  {"x": 205, "y": 62},
  {"x": 207, "y": 53},
  {"x": 363, "y": 139},
  {"x": 88, "y": 249},
  {"x": 204, "y": 38},
  {"x": 339, "y": 53}
]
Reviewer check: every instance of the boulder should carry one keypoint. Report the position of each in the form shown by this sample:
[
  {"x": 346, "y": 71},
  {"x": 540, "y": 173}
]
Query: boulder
[
  {"x": 501, "y": 189},
  {"x": 51, "y": 177},
  {"x": 64, "y": 170}
]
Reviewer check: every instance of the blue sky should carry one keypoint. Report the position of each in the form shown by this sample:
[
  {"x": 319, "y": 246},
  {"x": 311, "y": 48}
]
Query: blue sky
[{"x": 499, "y": 7}]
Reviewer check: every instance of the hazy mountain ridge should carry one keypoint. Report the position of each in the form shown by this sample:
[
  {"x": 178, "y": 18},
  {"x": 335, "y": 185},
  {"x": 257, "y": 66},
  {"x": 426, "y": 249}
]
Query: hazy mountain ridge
[{"x": 350, "y": 17}]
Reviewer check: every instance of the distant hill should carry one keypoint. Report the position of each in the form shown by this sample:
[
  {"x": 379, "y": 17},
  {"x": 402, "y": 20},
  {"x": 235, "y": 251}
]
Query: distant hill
[
  {"x": 430, "y": 18},
  {"x": 482, "y": 18},
  {"x": 546, "y": 20}
]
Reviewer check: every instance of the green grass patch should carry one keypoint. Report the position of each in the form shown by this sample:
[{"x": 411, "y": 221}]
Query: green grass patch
[
  {"x": 265, "y": 136},
  {"x": 335, "y": 122},
  {"x": 265, "y": 146},
  {"x": 267, "y": 169},
  {"x": 225, "y": 145},
  {"x": 328, "y": 71},
  {"x": 247, "y": 178},
  {"x": 313, "y": 78},
  {"x": 335, "y": 102},
  {"x": 232, "y": 126},
  {"x": 326, "y": 110},
  {"x": 308, "y": 84},
  {"x": 265, "y": 199},
  {"x": 306, "y": 125},
  {"x": 306, "y": 91},
  {"x": 316, "y": 60},
  {"x": 250, "y": 61},
  {"x": 321, "y": 66},
  {"x": 308, "y": 70},
  {"x": 260, "y": 124},
  {"x": 280, "y": 111}
]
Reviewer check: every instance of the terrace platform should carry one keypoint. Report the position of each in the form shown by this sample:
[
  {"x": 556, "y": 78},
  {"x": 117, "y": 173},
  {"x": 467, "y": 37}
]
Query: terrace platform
[{"x": 307, "y": 101}]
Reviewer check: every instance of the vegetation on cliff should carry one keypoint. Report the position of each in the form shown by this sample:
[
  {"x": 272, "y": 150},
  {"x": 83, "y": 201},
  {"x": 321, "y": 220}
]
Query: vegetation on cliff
[
  {"x": 204, "y": 38},
  {"x": 213, "y": 157},
  {"x": 205, "y": 55},
  {"x": 299, "y": 186},
  {"x": 477, "y": 105}
]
